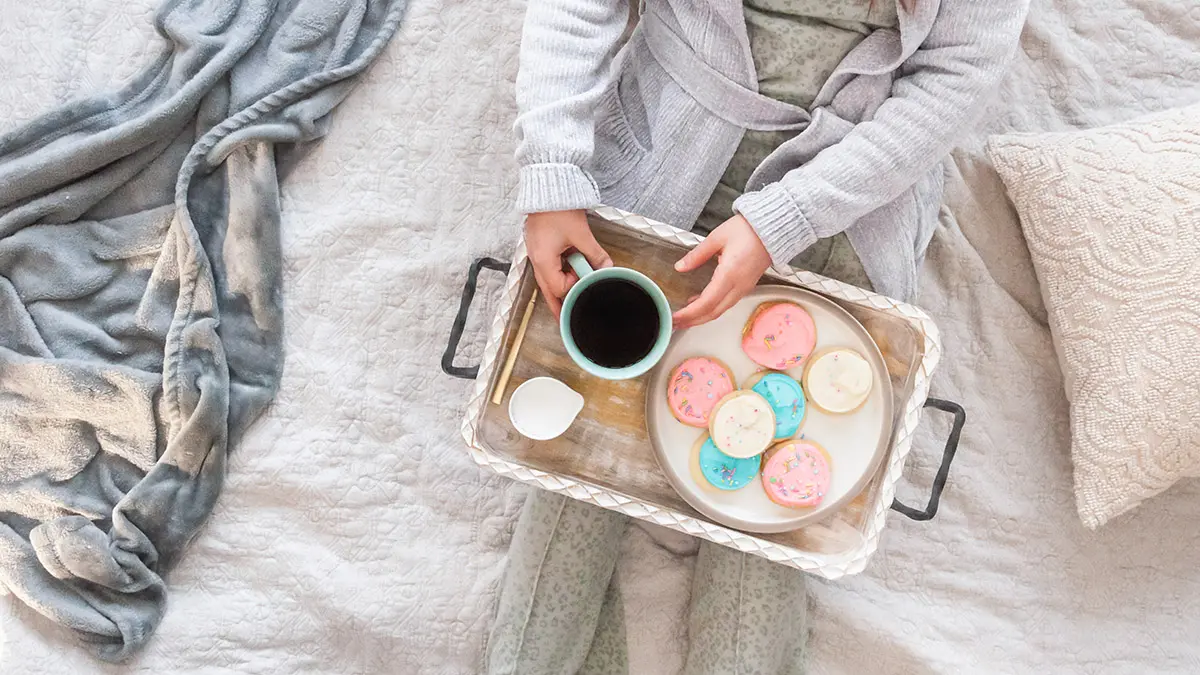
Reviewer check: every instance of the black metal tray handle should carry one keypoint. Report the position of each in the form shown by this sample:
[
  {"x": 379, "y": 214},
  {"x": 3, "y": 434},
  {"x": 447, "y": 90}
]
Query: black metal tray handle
[
  {"x": 470, "y": 372},
  {"x": 460, "y": 320}
]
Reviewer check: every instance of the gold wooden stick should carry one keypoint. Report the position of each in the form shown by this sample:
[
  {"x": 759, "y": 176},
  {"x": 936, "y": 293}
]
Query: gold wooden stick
[{"x": 502, "y": 383}]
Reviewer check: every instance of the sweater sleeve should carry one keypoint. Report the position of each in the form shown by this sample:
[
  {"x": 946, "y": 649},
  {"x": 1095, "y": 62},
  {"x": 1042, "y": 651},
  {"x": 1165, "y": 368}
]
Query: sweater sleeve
[
  {"x": 940, "y": 92},
  {"x": 566, "y": 49}
]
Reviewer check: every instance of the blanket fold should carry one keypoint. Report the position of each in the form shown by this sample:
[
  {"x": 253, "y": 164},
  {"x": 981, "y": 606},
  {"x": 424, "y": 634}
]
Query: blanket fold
[{"x": 140, "y": 316}]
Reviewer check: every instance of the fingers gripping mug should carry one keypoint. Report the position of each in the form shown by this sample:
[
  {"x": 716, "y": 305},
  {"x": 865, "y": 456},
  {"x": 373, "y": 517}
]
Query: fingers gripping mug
[{"x": 615, "y": 322}]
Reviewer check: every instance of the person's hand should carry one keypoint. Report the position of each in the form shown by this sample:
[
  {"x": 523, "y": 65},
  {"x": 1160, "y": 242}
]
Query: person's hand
[
  {"x": 549, "y": 236},
  {"x": 741, "y": 261}
]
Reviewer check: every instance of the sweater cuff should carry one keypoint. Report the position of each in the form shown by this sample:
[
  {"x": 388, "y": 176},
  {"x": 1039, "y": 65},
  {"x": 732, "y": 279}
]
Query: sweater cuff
[
  {"x": 555, "y": 187},
  {"x": 778, "y": 221}
]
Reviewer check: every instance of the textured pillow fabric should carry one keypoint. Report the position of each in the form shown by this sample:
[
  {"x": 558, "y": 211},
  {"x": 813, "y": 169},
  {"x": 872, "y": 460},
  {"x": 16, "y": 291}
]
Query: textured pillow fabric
[{"x": 1112, "y": 217}]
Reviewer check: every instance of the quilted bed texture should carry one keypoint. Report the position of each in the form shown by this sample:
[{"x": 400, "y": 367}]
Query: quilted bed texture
[
  {"x": 1112, "y": 217},
  {"x": 355, "y": 535}
]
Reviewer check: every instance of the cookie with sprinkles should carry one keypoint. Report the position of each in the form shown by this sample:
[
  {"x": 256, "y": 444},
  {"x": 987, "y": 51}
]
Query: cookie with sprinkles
[
  {"x": 779, "y": 335},
  {"x": 796, "y": 474},
  {"x": 838, "y": 381},
  {"x": 695, "y": 387},
  {"x": 715, "y": 470},
  {"x": 742, "y": 424},
  {"x": 786, "y": 397}
]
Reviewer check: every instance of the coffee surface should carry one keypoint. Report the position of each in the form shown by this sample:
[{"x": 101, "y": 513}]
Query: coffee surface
[{"x": 614, "y": 323}]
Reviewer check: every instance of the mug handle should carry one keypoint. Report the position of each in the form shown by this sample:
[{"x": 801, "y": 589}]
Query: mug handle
[{"x": 580, "y": 264}]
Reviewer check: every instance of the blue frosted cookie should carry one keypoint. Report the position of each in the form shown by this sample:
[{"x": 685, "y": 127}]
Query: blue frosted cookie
[
  {"x": 786, "y": 397},
  {"x": 713, "y": 468}
]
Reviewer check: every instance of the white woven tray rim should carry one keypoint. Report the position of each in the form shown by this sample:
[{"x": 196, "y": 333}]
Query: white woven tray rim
[{"x": 826, "y": 565}]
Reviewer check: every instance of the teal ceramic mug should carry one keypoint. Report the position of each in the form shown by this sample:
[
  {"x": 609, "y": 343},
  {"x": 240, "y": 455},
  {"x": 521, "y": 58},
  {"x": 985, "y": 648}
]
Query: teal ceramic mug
[{"x": 589, "y": 277}]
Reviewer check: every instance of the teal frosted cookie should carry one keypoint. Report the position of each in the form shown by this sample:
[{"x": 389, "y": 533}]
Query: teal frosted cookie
[
  {"x": 786, "y": 397},
  {"x": 712, "y": 468}
]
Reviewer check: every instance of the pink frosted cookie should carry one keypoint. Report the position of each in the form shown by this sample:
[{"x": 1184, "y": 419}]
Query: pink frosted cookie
[
  {"x": 695, "y": 387},
  {"x": 779, "y": 335},
  {"x": 796, "y": 474}
]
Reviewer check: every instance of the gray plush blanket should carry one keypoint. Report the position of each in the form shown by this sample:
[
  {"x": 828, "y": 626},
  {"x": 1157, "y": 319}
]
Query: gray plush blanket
[{"x": 140, "y": 322}]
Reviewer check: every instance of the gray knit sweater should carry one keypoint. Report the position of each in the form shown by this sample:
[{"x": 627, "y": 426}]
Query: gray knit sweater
[{"x": 650, "y": 125}]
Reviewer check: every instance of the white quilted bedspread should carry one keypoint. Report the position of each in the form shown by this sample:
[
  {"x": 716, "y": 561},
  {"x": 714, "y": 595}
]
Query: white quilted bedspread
[{"x": 355, "y": 535}]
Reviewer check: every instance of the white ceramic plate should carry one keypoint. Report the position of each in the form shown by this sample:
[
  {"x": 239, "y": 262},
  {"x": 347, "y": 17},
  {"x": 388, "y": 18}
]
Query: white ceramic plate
[{"x": 856, "y": 442}]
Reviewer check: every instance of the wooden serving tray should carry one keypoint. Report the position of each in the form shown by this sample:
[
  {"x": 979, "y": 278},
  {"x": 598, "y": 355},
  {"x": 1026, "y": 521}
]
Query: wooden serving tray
[{"x": 608, "y": 445}]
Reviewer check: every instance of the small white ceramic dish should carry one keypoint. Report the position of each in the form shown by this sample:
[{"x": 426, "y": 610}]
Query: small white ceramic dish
[{"x": 543, "y": 408}]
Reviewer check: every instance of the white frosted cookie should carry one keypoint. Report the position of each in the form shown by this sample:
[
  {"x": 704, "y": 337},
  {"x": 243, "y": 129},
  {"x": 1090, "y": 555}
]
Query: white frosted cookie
[
  {"x": 838, "y": 381},
  {"x": 742, "y": 424}
]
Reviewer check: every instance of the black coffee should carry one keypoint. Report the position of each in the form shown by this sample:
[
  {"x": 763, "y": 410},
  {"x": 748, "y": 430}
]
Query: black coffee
[{"x": 614, "y": 323}]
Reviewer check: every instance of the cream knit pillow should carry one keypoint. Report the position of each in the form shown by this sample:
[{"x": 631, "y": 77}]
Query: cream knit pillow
[{"x": 1112, "y": 217}]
